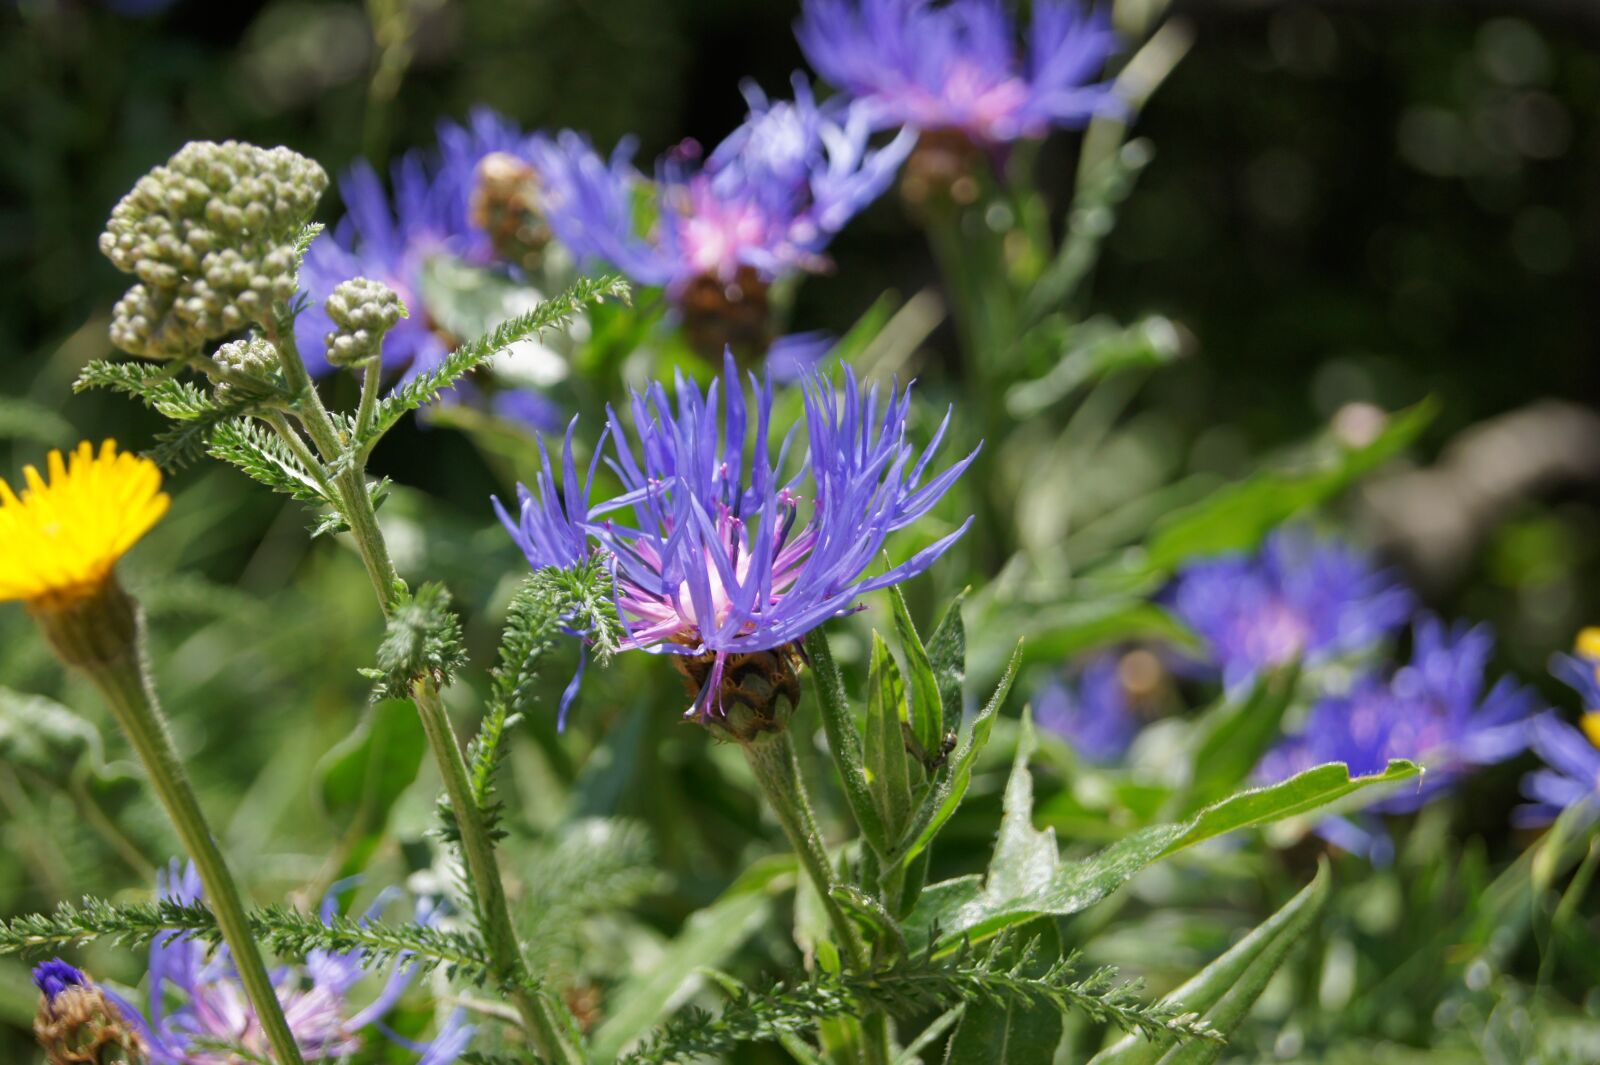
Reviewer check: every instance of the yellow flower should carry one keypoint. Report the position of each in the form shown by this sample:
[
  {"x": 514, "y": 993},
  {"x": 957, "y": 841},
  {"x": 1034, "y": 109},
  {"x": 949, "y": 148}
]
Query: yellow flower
[
  {"x": 59, "y": 540},
  {"x": 1588, "y": 643}
]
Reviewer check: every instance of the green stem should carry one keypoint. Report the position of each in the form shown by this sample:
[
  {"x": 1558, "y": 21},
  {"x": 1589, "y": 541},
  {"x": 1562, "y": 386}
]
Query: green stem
[
  {"x": 552, "y": 1030},
  {"x": 777, "y": 769},
  {"x": 371, "y": 384},
  {"x": 104, "y": 636},
  {"x": 350, "y": 481},
  {"x": 552, "y": 1037}
]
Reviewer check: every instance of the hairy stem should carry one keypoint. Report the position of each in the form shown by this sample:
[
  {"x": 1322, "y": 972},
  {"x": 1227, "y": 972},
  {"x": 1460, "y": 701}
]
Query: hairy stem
[
  {"x": 551, "y": 1034},
  {"x": 104, "y": 636},
  {"x": 777, "y": 770},
  {"x": 552, "y": 1031}
]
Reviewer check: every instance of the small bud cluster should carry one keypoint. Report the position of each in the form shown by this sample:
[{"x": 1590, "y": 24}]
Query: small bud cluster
[
  {"x": 253, "y": 358},
  {"x": 78, "y": 1024},
  {"x": 362, "y": 311},
  {"x": 210, "y": 236}
]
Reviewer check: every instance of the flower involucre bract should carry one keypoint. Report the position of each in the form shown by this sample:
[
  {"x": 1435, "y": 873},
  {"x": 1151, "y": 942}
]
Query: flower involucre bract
[{"x": 61, "y": 537}]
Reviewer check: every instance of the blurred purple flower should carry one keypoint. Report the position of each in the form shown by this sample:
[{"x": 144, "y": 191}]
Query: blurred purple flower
[
  {"x": 716, "y": 561},
  {"x": 1571, "y": 755},
  {"x": 1301, "y": 596},
  {"x": 212, "y": 1012},
  {"x": 1096, "y": 714},
  {"x": 768, "y": 198},
  {"x": 959, "y": 66},
  {"x": 1434, "y": 711}
]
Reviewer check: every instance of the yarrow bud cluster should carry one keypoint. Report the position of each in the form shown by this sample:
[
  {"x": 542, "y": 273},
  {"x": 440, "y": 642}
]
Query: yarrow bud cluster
[
  {"x": 362, "y": 311},
  {"x": 254, "y": 358},
  {"x": 79, "y": 1024},
  {"x": 210, "y": 236}
]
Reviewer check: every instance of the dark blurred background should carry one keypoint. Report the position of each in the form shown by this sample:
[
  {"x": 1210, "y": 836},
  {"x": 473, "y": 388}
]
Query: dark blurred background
[{"x": 1350, "y": 202}]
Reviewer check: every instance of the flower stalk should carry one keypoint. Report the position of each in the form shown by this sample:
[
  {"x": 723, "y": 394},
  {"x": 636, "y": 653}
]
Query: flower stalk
[
  {"x": 103, "y": 635},
  {"x": 776, "y": 766},
  {"x": 553, "y": 1035}
]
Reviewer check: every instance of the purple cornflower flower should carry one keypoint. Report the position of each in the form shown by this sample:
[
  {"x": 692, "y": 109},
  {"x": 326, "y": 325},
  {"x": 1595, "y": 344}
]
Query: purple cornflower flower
[
  {"x": 1302, "y": 597},
  {"x": 433, "y": 212},
  {"x": 715, "y": 566},
  {"x": 1571, "y": 755},
  {"x": 211, "y": 1012},
  {"x": 765, "y": 202},
  {"x": 1100, "y": 714},
  {"x": 959, "y": 66},
  {"x": 389, "y": 242},
  {"x": 1434, "y": 711}
]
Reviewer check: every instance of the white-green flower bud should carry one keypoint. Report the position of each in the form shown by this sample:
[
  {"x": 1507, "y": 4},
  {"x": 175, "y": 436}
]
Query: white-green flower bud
[
  {"x": 253, "y": 358},
  {"x": 210, "y": 236},
  {"x": 362, "y": 311}
]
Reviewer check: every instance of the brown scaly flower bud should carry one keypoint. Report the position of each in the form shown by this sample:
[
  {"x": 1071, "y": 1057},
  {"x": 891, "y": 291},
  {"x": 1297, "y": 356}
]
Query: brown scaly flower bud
[
  {"x": 79, "y": 1024},
  {"x": 760, "y": 690},
  {"x": 941, "y": 167},
  {"x": 505, "y": 205},
  {"x": 720, "y": 315}
]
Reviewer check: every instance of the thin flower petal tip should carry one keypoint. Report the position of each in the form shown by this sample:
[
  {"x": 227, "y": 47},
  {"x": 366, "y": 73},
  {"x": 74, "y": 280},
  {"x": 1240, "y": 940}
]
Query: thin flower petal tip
[
  {"x": 1440, "y": 709},
  {"x": 55, "y": 976},
  {"x": 61, "y": 536},
  {"x": 1300, "y": 597},
  {"x": 964, "y": 67},
  {"x": 725, "y": 551}
]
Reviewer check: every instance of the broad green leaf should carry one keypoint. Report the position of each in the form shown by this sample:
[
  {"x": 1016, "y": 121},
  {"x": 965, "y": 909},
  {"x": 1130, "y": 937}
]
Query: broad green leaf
[
  {"x": 941, "y": 801},
  {"x": 975, "y": 907},
  {"x": 992, "y": 1034},
  {"x": 1235, "y": 518},
  {"x": 1224, "y": 991},
  {"x": 886, "y": 756},
  {"x": 925, "y": 705},
  {"x": 843, "y": 741},
  {"x": 1230, "y": 739},
  {"x": 1066, "y": 629},
  {"x": 947, "y": 654},
  {"x": 360, "y": 780},
  {"x": 709, "y": 937},
  {"x": 1025, "y": 858}
]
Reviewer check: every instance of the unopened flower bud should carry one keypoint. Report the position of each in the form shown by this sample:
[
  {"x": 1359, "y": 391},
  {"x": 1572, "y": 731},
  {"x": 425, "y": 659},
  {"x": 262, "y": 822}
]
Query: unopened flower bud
[
  {"x": 253, "y": 358},
  {"x": 79, "y": 1024},
  {"x": 210, "y": 236},
  {"x": 362, "y": 311},
  {"x": 505, "y": 205}
]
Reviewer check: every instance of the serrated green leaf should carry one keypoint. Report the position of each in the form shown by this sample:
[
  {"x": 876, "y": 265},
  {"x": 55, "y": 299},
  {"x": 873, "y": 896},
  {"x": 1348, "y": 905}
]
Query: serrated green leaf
[
  {"x": 972, "y": 907},
  {"x": 886, "y": 758},
  {"x": 1224, "y": 991},
  {"x": 1015, "y": 1033},
  {"x": 844, "y": 743},
  {"x": 925, "y": 707}
]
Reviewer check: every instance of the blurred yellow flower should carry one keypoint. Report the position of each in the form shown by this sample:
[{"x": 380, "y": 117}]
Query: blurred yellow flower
[{"x": 59, "y": 540}]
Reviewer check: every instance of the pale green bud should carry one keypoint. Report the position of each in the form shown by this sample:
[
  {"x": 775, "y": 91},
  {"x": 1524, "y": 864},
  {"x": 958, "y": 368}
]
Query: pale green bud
[
  {"x": 254, "y": 358},
  {"x": 210, "y": 236},
  {"x": 362, "y": 311}
]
